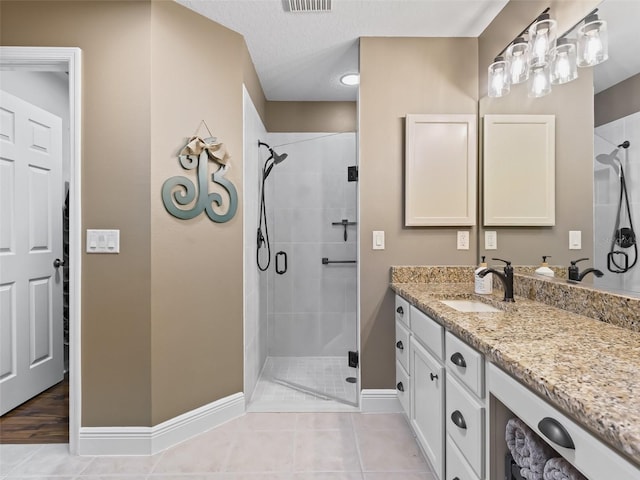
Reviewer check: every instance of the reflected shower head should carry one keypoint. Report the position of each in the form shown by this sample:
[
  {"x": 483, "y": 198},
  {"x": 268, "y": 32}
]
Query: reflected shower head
[{"x": 610, "y": 159}]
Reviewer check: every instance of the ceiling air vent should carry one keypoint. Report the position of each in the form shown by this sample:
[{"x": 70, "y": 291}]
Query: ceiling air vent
[{"x": 309, "y": 5}]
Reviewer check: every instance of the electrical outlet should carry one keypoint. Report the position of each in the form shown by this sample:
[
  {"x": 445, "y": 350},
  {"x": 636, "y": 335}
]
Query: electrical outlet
[
  {"x": 490, "y": 240},
  {"x": 463, "y": 240}
]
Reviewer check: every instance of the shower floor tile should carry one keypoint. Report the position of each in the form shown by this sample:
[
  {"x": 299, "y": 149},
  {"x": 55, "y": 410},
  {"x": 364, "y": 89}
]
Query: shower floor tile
[{"x": 304, "y": 384}]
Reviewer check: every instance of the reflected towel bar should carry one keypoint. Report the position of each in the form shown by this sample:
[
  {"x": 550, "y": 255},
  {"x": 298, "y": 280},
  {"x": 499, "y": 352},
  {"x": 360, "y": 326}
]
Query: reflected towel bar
[{"x": 326, "y": 261}]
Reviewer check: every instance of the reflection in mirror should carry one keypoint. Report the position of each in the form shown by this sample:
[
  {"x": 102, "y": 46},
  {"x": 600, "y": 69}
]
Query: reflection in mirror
[{"x": 617, "y": 152}]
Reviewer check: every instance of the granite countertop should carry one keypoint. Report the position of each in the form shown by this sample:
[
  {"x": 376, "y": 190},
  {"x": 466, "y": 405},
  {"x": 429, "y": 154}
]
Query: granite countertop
[{"x": 587, "y": 368}]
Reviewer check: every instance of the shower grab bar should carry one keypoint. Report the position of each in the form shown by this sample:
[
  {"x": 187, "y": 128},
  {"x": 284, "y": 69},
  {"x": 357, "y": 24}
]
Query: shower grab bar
[{"x": 326, "y": 261}]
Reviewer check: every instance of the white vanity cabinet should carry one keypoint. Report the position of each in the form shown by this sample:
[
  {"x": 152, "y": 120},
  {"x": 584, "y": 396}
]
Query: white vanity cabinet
[
  {"x": 440, "y": 385},
  {"x": 465, "y": 409},
  {"x": 427, "y": 401},
  {"x": 403, "y": 382},
  {"x": 592, "y": 457}
]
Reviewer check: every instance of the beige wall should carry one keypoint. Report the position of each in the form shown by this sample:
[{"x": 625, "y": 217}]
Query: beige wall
[
  {"x": 312, "y": 117},
  {"x": 572, "y": 104},
  {"x": 252, "y": 83},
  {"x": 116, "y": 370},
  {"x": 424, "y": 80},
  {"x": 618, "y": 101},
  {"x": 161, "y": 321},
  {"x": 196, "y": 264}
]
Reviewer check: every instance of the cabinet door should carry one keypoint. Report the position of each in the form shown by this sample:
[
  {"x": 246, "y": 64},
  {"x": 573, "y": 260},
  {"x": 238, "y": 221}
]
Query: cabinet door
[
  {"x": 519, "y": 170},
  {"x": 427, "y": 404},
  {"x": 440, "y": 170}
]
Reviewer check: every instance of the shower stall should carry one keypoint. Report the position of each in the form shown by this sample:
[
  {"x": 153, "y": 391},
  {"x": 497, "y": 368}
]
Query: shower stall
[
  {"x": 306, "y": 259},
  {"x": 617, "y": 204}
]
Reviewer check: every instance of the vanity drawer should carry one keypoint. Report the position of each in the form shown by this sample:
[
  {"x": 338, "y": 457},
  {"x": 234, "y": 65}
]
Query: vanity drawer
[
  {"x": 466, "y": 363},
  {"x": 428, "y": 331},
  {"x": 589, "y": 454},
  {"x": 402, "y": 311},
  {"x": 464, "y": 418},
  {"x": 457, "y": 466},
  {"x": 402, "y": 345},
  {"x": 403, "y": 388}
]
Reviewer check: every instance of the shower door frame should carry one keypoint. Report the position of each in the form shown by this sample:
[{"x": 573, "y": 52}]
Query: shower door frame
[{"x": 355, "y": 401}]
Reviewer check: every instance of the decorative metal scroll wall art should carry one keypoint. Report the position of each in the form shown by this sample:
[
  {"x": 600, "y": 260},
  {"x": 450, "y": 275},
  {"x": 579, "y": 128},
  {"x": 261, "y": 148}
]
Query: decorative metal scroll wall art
[{"x": 195, "y": 156}]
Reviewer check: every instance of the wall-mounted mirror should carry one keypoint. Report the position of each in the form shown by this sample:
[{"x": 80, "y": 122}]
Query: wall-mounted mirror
[
  {"x": 587, "y": 192},
  {"x": 617, "y": 152}
]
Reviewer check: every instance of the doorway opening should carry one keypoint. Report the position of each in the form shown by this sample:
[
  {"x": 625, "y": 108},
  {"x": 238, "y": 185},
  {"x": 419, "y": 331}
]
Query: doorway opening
[{"x": 51, "y": 320}]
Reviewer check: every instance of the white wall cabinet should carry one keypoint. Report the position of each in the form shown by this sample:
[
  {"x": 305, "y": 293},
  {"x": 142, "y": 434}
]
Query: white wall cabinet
[
  {"x": 519, "y": 170},
  {"x": 440, "y": 170}
]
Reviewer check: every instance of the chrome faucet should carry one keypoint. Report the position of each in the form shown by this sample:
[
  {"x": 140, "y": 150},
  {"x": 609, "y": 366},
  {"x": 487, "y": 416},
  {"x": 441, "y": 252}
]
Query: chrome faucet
[
  {"x": 506, "y": 278},
  {"x": 574, "y": 271}
]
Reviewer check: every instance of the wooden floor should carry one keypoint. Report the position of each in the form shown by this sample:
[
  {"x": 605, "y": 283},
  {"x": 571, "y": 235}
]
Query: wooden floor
[{"x": 43, "y": 419}]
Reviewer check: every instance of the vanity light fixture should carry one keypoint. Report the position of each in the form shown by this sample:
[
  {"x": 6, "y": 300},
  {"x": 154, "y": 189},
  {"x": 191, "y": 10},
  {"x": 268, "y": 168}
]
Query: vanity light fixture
[
  {"x": 350, "y": 79},
  {"x": 542, "y": 38},
  {"x": 593, "y": 41},
  {"x": 544, "y": 60},
  {"x": 499, "y": 78},
  {"x": 518, "y": 58},
  {"x": 564, "y": 66},
  {"x": 539, "y": 81}
]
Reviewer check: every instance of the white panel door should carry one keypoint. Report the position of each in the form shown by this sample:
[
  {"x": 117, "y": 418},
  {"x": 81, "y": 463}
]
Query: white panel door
[{"x": 31, "y": 325}]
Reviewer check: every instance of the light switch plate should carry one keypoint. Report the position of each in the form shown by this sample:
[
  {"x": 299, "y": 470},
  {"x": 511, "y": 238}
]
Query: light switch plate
[
  {"x": 463, "y": 240},
  {"x": 378, "y": 239},
  {"x": 575, "y": 240},
  {"x": 490, "y": 240},
  {"x": 103, "y": 241}
]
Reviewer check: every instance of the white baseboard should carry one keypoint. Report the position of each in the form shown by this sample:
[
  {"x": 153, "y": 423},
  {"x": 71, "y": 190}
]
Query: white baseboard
[
  {"x": 379, "y": 401},
  {"x": 151, "y": 440}
]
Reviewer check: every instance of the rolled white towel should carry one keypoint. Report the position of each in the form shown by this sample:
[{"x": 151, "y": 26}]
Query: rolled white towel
[
  {"x": 560, "y": 469},
  {"x": 529, "y": 451}
]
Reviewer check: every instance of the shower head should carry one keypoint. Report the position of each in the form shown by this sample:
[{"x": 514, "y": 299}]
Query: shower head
[
  {"x": 274, "y": 156},
  {"x": 610, "y": 159},
  {"x": 277, "y": 158}
]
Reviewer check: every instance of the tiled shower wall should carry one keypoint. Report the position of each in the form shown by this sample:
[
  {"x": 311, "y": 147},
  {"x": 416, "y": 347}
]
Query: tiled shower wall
[
  {"x": 255, "y": 332},
  {"x": 606, "y": 197},
  {"x": 312, "y": 307}
]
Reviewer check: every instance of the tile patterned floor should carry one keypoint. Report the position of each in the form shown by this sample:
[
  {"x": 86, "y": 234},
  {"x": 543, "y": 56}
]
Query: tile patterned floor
[
  {"x": 324, "y": 375},
  {"x": 256, "y": 446}
]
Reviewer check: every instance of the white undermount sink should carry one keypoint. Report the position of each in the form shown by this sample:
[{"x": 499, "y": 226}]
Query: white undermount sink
[{"x": 468, "y": 306}]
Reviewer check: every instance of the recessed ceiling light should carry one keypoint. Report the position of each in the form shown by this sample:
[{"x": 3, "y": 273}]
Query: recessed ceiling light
[{"x": 350, "y": 79}]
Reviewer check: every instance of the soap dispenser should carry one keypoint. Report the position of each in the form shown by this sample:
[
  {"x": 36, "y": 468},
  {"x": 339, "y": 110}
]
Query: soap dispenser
[
  {"x": 544, "y": 268},
  {"x": 483, "y": 284}
]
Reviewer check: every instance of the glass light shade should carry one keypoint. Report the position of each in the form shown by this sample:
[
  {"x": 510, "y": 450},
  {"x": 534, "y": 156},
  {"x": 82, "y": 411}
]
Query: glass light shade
[
  {"x": 563, "y": 62},
  {"x": 499, "y": 78},
  {"x": 593, "y": 42},
  {"x": 518, "y": 58},
  {"x": 542, "y": 38},
  {"x": 539, "y": 81}
]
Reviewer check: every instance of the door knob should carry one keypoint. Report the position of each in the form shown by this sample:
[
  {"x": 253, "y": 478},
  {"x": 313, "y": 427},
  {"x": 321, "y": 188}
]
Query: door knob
[
  {"x": 57, "y": 263},
  {"x": 399, "y": 345},
  {"x": 433, "y": 377}
]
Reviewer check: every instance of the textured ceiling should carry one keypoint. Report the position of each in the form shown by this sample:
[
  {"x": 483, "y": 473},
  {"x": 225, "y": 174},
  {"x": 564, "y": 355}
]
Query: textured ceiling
[{"x": 301, "y": 56}]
